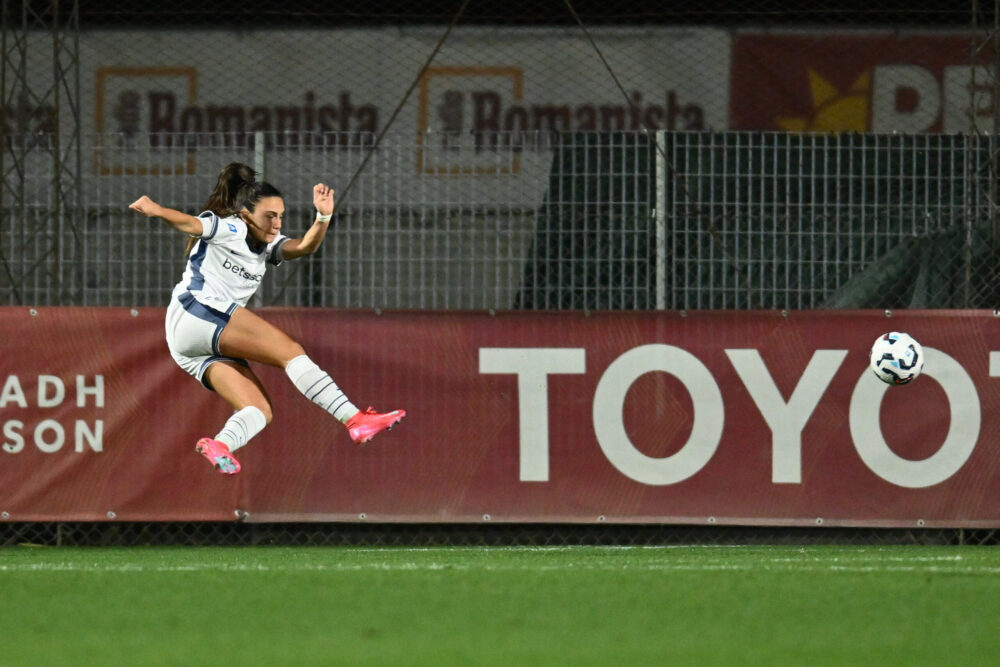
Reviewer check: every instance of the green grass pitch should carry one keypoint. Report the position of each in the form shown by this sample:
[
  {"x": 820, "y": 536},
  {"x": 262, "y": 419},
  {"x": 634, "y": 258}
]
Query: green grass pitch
[{"x": 817, "y": 605}]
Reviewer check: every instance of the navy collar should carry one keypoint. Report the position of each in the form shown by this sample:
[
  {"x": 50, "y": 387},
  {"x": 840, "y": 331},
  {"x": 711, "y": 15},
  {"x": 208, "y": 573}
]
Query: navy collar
[{"x": 256, "y": 247}]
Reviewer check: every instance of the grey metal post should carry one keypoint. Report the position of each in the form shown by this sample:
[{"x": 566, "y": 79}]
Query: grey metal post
[{"x": 660, "y": 215}]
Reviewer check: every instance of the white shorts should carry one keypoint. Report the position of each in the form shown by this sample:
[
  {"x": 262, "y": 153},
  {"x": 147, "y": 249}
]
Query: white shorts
[{"x": 193, "y": 331}]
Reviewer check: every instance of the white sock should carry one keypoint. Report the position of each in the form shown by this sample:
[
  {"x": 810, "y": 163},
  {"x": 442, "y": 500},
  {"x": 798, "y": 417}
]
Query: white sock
[
  {"x": 319, "y": 387},
  {"x": 242, "y": 426}
]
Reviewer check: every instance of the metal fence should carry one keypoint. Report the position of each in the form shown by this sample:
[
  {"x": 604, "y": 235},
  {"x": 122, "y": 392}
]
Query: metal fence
[
  {"x": 595, "y": 221},
  {"x": 573, "y": 155},
  {"x": 794, "y": 221}
]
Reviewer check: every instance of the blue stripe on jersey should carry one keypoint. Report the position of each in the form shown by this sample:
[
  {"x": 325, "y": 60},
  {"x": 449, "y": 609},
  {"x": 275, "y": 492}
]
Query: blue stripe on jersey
[
  {"x": 202, "y": 312},
  {"x": 277, "y": 255},
  {"x": 197, "y": 257},
  {"x": 212, "y": 360},
  {"x": 215, "y": 224}
]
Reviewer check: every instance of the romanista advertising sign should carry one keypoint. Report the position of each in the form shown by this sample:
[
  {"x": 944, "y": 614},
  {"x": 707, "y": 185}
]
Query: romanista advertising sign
[{"x": 483, "y": 109}]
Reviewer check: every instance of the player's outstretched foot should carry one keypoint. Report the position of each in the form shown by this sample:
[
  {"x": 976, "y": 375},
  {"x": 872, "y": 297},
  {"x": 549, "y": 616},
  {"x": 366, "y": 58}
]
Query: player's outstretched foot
[
  {"x": 366, "y": 425},
  {"x": 218, "y": 455}
]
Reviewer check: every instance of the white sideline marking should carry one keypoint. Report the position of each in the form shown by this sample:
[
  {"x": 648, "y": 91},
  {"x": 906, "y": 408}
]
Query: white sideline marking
[{"x": 867, "y": 562}]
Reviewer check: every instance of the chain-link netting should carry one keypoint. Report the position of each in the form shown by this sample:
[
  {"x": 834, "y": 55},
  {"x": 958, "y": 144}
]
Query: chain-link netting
[
  {"x": 562, "y": 155},
  {"x": 324, "y": 534}
]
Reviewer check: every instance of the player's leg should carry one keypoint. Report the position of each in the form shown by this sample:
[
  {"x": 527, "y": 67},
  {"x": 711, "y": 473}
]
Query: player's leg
[
  {"x": 251, "y": 337},
  {"x": 241, "y": 388}
]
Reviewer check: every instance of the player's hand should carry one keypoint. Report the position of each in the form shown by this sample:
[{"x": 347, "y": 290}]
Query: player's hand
[
  {"x": 146, "y": 206},
  {"x": 323, "y": 199}
]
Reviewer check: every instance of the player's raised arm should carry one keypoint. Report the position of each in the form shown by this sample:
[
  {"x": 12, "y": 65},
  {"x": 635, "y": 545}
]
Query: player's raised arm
[
  {"x": 311, "y": 240},
  {"x": 176, "y": 219}
]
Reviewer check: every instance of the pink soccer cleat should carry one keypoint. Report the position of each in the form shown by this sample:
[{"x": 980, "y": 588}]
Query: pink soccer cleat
[
  {"x": 219, "y": 455},
  {"x": 366, "y": 425}
]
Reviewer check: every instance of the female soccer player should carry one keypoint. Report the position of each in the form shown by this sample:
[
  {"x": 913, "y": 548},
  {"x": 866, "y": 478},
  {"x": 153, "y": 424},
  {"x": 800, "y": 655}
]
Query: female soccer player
[{"x": 210, "y": 332}]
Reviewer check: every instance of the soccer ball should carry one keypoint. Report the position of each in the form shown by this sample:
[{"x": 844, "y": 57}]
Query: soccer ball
[{"x": 897, "y": 358}]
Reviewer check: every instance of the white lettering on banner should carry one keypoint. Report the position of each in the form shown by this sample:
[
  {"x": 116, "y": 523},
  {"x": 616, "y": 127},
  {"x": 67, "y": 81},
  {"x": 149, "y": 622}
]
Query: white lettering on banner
[
  {"x": 52, "y": 391},
  {"x": 891, "y": 84},
  {"x": 968, "y": 99},
  {"x": 46, "y": 401},
  {"x": 963, "y": 430},
  {"x": 82, "y": 391},
  {"x": 910, "y": 98},
  {"x": 532, "y": 367},
  {"x": 94, "y": 438},
  {"x": 12, "y": 392},
  {"x": 49, "y": 435},
  {"x": 786, "y": 420},
  {"x": 57, "y": 442},
  {"x": 609, "y": 402},
  {"x": 13, "y": 440}
]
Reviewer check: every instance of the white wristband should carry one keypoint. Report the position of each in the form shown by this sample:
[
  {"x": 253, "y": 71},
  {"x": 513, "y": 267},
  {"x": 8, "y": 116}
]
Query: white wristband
[{"x": 323, "y": 218}]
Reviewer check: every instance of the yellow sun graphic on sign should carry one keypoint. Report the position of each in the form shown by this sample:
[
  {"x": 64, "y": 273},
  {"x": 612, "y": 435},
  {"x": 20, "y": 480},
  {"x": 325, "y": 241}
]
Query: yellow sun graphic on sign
[{"x": 833, "y": 110}]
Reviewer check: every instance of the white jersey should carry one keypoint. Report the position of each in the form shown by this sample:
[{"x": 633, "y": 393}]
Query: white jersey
[{"x": 225, "y": 265}]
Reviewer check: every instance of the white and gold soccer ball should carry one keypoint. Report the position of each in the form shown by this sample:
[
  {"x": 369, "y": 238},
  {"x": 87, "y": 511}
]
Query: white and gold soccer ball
[{"x": 897, "y": 358}]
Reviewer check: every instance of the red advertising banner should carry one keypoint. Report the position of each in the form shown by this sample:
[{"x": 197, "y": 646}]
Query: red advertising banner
[
  {"x": 880, "y": 82},
  {"x": 705, "y": 417}
]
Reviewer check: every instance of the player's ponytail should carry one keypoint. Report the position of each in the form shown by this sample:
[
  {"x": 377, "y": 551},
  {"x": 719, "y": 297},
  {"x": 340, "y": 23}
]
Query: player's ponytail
[
  {"x": 222, "y": 202},
  {"x": 233, "y": 178}
]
